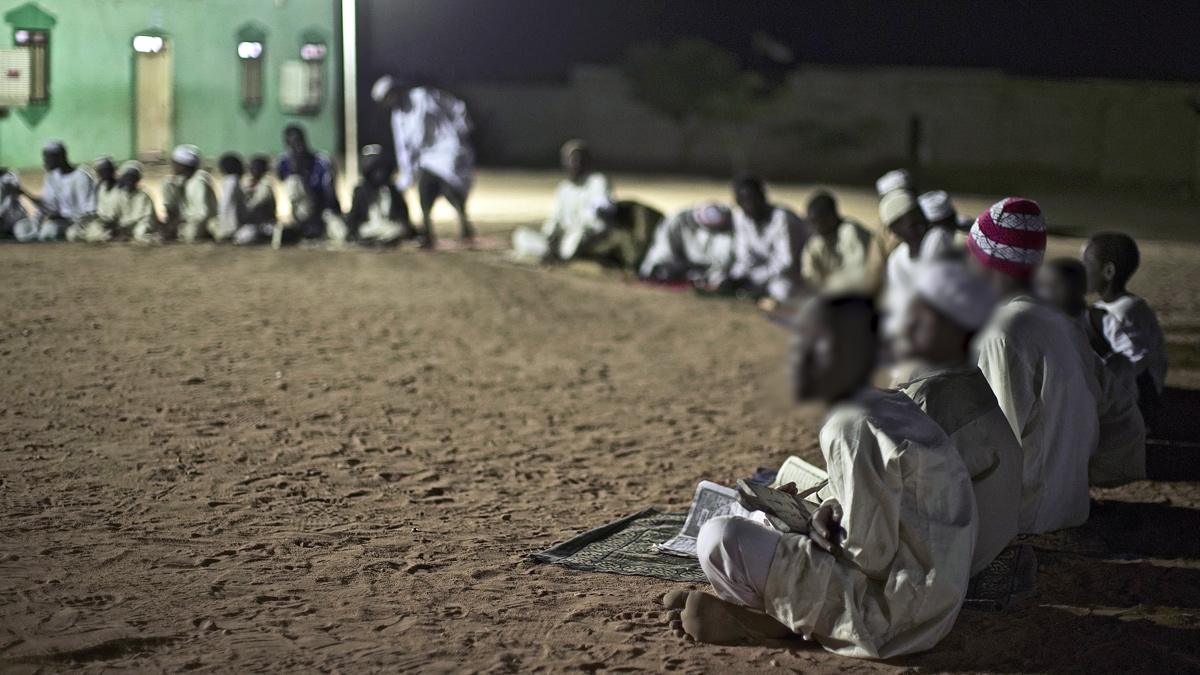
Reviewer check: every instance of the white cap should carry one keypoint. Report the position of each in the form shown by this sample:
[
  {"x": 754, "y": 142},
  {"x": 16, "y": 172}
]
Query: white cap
[
  {"x": 897, "y": 179},
  {"x": 936, "y": 205},
  {"x": 131, "y": 165},
  {"x": 187, "y": 155},
  {"x": 894, "y": 205},
  {"x": 952, "y": 289},
  {"x": 712, "y": 215},
  {"x": 54, "y": 146},
  {"x": 382, "y": 86}
]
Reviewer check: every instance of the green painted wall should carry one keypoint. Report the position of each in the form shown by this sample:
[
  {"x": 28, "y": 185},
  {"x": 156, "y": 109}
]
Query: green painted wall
[{"x": 91, "y": 75}]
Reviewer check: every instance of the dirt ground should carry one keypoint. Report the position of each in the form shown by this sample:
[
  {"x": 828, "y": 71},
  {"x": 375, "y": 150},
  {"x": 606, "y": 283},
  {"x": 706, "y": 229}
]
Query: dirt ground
[{"x": 247, "y": 460}]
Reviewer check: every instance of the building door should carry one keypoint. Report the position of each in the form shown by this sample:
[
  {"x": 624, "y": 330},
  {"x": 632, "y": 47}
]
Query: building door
[{"x": 153, "y": 98}]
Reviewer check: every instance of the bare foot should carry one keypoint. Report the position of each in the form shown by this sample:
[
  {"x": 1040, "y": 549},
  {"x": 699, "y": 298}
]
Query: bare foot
[{"x": 699, "y": 616}]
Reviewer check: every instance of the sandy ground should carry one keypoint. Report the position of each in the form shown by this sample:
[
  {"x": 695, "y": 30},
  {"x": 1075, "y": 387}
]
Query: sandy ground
[{"x": 246, "y": 460}]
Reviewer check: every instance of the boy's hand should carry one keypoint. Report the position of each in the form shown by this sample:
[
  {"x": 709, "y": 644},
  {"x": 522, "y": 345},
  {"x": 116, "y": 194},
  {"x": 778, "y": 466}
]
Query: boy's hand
[{"x": 826, "y": 529}]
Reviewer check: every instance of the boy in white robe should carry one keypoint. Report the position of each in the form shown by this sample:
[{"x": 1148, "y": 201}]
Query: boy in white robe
[
  {"x": 99, "y": 229},
  {"x": 1121, "y": 453},
  {"x": 135, "y": 218},
  {"x": 841, "y": 256},
  {"x": 12, "y": 211},
  {"x": 583, "y": 204},
  {"x": 190, "y": 200},
  {"x": 694, "y": 245},
  {"x": 1130, "y": 325},
  {"x": 431, "y": 129},
  {"x": 1040, "y": 368},
  {"x": 68, "y": 197},
  {"x": 900, "y": 212},
  {"x": 378, "y": 214},
  {"x": 885, "y": 568},
  {"x": 767, "y": 240},
  {"x": 949, "y": 306}
]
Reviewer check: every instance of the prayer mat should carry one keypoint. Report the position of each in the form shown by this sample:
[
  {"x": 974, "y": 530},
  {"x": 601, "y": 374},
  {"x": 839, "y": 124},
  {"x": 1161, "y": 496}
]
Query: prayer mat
[{"x": 627, "y": 547}]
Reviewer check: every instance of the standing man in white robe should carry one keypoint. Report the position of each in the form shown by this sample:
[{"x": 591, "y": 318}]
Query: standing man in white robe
[
  {"x": 431, "y": 130},
  {"x": 68, "y": 197},
  {"x": 766, "y": 241},
  {"x": 885, "y": 568},
  {"x": 1040, "y": 368}
]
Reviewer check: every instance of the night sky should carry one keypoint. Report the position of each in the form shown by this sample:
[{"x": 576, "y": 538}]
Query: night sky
[{"x": 448, "y": 41}]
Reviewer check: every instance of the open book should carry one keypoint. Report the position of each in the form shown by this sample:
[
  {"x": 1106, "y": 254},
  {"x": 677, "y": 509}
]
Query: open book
[{"x": 752, "y": 500}]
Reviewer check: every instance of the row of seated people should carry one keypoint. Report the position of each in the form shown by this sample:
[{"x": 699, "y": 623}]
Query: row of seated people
[
  {"x": 107, "y": 202},
  {"x": 1017, "y": 396}
]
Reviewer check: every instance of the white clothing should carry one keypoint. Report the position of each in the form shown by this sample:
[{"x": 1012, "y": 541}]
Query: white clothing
[
  {"x": 963, "y": 405},
  {"x": 910, "y": 526},
  {"x": 232, "y": 208},
  {"x": 69, "y": 196},
  {"x": 12, "y": 211},
  {"x": 902, "y": 275},
  {"x": 764, "y": 257},
  {"x": 1043, "y": 373},
  {"x": 683, "y": 248},
  {"x": 108, "y": 200},
  {"x": 379, "y": 226},
  {"x": 576, "y": 213},
  {"x": 192, "y": 203},
  {"x": 432, "y": 136},
  {"x": 853, "y": 263},
  {"x": 736, "y": 554},
  {"x": 1132, "y": 329}
]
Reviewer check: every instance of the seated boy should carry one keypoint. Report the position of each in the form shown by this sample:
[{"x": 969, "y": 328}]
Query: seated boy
[
  {"x": 135, "y": 219},
  {"x": 99, "y": 228},
  {"x": 68, "y": 197},
  {"x": 694, "y": 245},
  {"x": 190, "y": 200},
  {"x": 378, "y": 213},
  {"x": 841, "y": 256},
  {"x": 310, "y": 186},
  {"x": 885, "y": 568},
  {"x": 12, "y": 211},
  {"x": 1121, "y": 454},
  {"x": 259, "y": 220},
  {"x": 582, "y": 202},
  {"x": 766, "y": 241},
  {"x": 949, "y": 306},
  {"x": 1131, "y": 327},
  {"x": 231, "y": 207}
]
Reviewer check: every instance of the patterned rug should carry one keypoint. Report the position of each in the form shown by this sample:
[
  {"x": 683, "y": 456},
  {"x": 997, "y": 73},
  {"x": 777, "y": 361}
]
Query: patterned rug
[{"x": 627, "y": 547}]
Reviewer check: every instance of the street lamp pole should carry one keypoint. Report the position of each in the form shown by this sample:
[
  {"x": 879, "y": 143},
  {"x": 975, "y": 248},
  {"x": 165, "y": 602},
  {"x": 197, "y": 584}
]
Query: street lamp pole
[{"x": 350, "y": 86}]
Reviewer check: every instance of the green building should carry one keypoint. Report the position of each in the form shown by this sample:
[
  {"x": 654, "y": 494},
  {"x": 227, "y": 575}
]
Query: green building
[{"x": 132, "y": 78}]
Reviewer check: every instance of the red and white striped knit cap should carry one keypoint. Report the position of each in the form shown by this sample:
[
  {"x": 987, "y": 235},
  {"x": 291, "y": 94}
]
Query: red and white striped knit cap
[{"x": 1010, "y": 237}]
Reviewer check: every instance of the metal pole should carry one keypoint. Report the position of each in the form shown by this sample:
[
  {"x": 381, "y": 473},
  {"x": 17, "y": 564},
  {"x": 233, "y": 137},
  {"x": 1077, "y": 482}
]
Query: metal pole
[{"x": 350, "y": 86}]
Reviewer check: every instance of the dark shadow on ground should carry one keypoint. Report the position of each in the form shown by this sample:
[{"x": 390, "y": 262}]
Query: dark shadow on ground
[
  {"x": 1173, "y": 444},
  {"x": 1135, "y": 529}
]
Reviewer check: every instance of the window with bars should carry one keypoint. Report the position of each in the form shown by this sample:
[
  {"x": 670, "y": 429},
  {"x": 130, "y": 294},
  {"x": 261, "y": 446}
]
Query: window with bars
[
  {"x": 250, "y": 53},
  {"x": 38, "y": 43}
]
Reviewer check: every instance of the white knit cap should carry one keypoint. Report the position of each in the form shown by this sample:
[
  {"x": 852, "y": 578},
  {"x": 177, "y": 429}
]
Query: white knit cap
[
  {"x": 382, "y": 86},
  {"x": 187, "y": 155},
  {"x": 894, "y": 205},
  {"x": 712, "y": 215},
  {"x": 952, "y": 289},
  {"x": 936, "y": 205},
  {"x": 131, "y": 166},
  {"x": 897, "y": 179}
]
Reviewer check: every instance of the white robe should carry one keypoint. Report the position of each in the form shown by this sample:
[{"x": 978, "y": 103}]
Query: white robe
[
  {"x": 764, "y": 257},
  {"x": 902, "y": 275},
  {"x": 961, "y": 402},
  {"x": 853, "y": 263},
  {"x": 685, "y": 248},
  {"x": 432, "y": 136},
  {"x": 1043, "y": 373},
  {"x": 910, "y": 522},
  {"x": 576, "y": 213},
  {"x": 1132, "y": 329}
]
